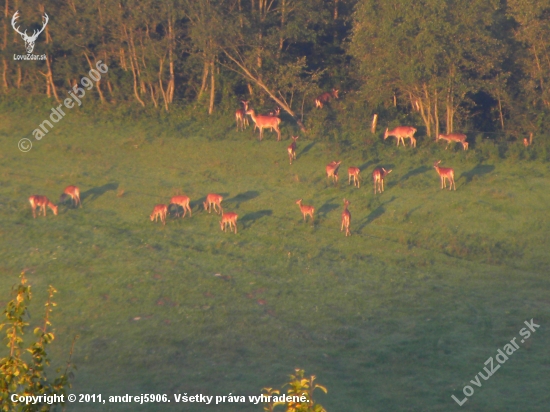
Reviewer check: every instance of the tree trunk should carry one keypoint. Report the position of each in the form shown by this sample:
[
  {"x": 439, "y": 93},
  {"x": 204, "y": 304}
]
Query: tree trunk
[
  {"x": 50, "y": 77},
  {"x": 5, "y": 73},
  {"x": 136, "y": 91},
  {"x": 171, "y": 83},
  {"x": 212, "y": 88},
  {"x": 436, "y": 115},
  {"x": 161, "y": 63},
  {"x": 98, "y": 83},
  {"x": 153, "y": 98},
  {"x": 204, "y": 79}
]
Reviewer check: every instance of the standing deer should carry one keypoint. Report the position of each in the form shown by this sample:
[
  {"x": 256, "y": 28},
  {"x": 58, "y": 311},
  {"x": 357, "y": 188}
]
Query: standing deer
[
  {"x": 41, "y": 202},
  {"x": 378, "y": 176},
  {"x": 325, "y": 98},
  {"x": 182, "y": 201},
  {"x": 240, "y": 116},
  {"x": 159, "y": 211},
  {"x": 402, "y": 133},
  {"x": 444, "y": 174},
  {"x": 306, "y": 210},
  {"x": 276, "y": 112},
  {"x": 74, "y": 193},
  {"x": 346, "y": 218},
  {"x": 292, "y": 149},
  {"x": 454, "y": 137},
  {"x": 265, "y": 122},
  {"x": 213, "y": 200},
  {"x": 29, "y": 40},
  {"x": 332, "y": 170},
  {"x": 354, "y": 172},
  {"x": 229, "y": 219}
]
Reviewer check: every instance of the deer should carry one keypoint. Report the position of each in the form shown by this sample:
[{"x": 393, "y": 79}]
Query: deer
[
  {"x": 159, "y": 211},
  {"x": 29, "y": 40},
  {"x": 213, "y": 200},
  {"x": 402, "y": 133},
  {"x": 346, "y": 218},
  {"x": 229, "y": 219},
  {"x": 525, "y": 142},
  {"x": 378, "y": 176},
  {"x": 276, "y": 112},
  {"x": 332, "y": 170},
  {"x": 265, "y": 122},
  {"x": 325, "y": 98},
  {"x": 354, "y": 172},
  {"x": 454, "y": 137},
  {"x": 445, "y": 173},
  {"x": 182, "y": 201},
  {"x": 292, "y": 149},
  {"x": 74, "y": 193},
  {"x": 306, "y": 210},
  {"x": 41, "y": 202},
  {"x": 240, "y": 116}
]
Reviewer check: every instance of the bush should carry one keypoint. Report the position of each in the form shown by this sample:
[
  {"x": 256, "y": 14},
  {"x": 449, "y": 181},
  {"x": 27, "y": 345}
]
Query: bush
[{"x": 23, "y": 376}]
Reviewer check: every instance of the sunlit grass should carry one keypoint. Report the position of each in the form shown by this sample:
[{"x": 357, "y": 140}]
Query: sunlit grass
[{"x": 399, "y": 316}]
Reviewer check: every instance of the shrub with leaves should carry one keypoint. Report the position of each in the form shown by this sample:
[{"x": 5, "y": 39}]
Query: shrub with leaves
[
  {"x": 22, "y": 371},
  {"x": 298, "y": 386}
]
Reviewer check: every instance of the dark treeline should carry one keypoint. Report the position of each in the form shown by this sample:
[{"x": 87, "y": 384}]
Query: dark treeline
[{"x": 475, "y": 65}]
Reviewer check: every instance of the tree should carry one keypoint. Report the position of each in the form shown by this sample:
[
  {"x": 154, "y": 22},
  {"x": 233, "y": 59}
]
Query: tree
[
  {"x": 431, "y": 53},
  {"x": 23, "y": 376}
]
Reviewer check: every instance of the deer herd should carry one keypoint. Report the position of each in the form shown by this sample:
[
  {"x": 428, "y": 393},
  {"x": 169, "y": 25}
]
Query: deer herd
[{"x": 272, "y": 121}]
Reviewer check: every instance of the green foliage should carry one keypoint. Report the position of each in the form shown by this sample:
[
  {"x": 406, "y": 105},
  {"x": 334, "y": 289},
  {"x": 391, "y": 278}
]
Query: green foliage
[
  {"x": 22, "y": 376},
  {"x": 297, "y": 386}
]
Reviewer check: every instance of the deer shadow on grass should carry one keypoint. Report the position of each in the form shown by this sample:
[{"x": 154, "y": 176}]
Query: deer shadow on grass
[
  {"x": 243, "y": 197},
  {"x": 478, "y": 170},
  {"x": 96, "y": 192},
  {"x": 364, "y": 166},
  {"x": 375, "y": 214},
  {"x": 415, "y": 172},
  {"x": 305, "y": 150},
  {"x": 327, "y": 208},
  {"x": 250, "y": 218}
]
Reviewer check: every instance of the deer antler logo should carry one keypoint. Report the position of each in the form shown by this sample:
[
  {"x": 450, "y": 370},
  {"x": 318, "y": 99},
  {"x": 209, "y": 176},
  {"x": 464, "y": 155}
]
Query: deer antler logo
[{"x": 29, "y": 40}]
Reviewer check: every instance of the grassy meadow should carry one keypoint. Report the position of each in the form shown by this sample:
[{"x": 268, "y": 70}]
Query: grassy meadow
[{"x": 397, "y": 317}]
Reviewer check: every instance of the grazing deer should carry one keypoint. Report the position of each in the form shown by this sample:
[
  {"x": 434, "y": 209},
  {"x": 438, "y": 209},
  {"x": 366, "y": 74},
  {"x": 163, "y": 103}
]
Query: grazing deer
[
  {"x": 306, "y": 210},
  {"x": 265, "y": 122},
  {"x": 445, "y": 173},
  {"x": 346, "y": 218},
  {"x": 240, "y": 116},
  {"x": 41, "y": 202},
  {"x": 354, "y": 172},
  {"x": 378, "y": 176},
  {"x": 29, "y": 40},
  {"x": 74, "y": 193},
  {"x": 325, "y": 98},
  {"x": 182, "y": 201},
  {"x": 292, "y": 149},
  {"x": 402, "y": 133},
  {"x": 332, "y": 171},
  {"x": 454, "y": 137},
  {"x": 213, "y": 200},
  {"x": 159, "y": 211},
  {"x": 229, "y": 219}
]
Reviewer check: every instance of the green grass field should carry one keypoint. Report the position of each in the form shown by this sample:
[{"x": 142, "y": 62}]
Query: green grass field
[{"x": 397, "y": 317}]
